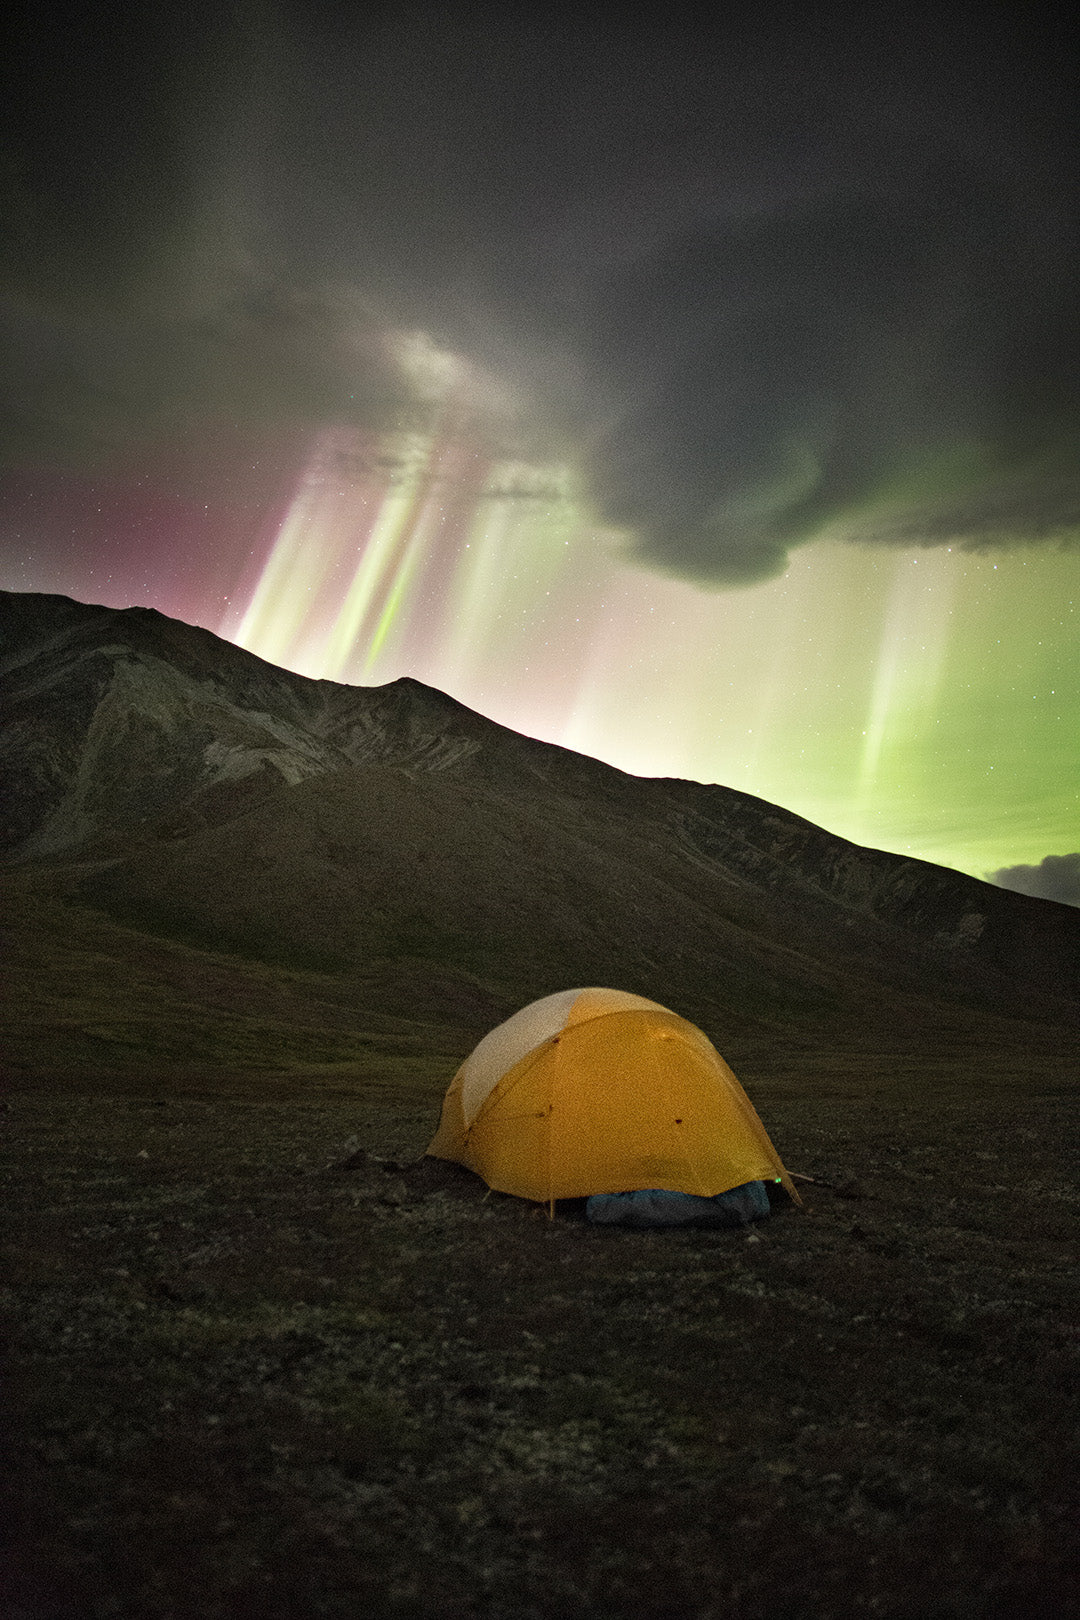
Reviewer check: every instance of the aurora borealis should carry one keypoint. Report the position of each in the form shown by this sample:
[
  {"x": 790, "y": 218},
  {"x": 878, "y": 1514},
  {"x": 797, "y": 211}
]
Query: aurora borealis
[{"x": 708, "y": 404}]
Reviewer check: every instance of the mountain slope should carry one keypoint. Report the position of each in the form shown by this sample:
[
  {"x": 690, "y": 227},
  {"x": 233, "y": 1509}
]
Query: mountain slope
[{"x": 242, "y": 807}]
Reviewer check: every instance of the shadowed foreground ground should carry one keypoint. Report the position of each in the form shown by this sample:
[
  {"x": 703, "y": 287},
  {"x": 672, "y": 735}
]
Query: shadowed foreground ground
[{"x": 254, "y": 1372}]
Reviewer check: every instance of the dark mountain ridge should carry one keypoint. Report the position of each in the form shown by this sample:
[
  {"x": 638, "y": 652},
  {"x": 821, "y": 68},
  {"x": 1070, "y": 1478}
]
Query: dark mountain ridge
[{"x": 207, "y": 795}]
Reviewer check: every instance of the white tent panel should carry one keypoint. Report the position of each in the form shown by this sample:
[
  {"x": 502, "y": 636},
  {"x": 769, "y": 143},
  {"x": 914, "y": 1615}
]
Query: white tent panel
[{"x": 509, "y": 1042}]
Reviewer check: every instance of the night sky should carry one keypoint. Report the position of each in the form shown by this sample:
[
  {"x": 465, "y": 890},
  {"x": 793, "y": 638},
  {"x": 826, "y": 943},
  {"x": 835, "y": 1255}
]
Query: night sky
[{"x": 704, "y": 398}]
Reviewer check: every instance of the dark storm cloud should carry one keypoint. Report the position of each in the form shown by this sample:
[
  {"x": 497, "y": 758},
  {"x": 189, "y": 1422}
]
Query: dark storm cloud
[
  {"x": 1057, "y": 877},
  {"x": 141, "y": 309},
  {"x": 100, "y": 389},
  {"x": 903, "y": 366},
  {"x": 757, "y": 283}
]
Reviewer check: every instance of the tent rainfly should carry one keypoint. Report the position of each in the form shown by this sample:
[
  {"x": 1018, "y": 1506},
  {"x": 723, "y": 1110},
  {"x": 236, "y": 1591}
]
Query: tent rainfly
[{"x": 599, "y": 1091}]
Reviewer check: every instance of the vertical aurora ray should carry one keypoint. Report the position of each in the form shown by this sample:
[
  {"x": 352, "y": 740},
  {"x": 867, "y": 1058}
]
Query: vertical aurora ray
[
  {"x": 381, "y": 557},
  {"x": 330, "y": 513},
  {"x": 926, "y": 702},
  {"x": 275, "y": 615},
  {"x": 453, "y": 560},
  {"x": 407, "y": 566},
  {"x": 519, "y": 568},
  {"x": 365, "y": 504},
  {"x": 417, "y": 527},
  {"x": 470, "y": 622},
  {"x": 418, "y": 603},
  {"x": 909, "y": 670}
]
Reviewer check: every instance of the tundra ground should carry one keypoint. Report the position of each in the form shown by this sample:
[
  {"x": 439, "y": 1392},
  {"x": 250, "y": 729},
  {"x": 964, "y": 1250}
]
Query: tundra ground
[{"x": 264, "y": 1362}]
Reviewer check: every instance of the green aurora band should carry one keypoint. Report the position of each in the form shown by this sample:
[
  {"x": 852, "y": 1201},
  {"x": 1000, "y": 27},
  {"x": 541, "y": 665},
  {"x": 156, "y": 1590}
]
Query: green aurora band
[{"x": 922, "y": 700}]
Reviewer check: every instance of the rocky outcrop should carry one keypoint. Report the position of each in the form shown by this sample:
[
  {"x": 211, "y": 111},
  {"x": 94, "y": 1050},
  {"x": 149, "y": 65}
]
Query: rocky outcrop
[{"x": 121, "y": 725}]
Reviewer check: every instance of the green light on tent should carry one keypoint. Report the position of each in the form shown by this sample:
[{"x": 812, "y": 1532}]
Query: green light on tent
[{"x": 776, "y": 1178}]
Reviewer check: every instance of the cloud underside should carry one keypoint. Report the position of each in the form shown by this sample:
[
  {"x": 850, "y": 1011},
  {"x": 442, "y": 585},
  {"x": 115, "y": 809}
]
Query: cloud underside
[
  {"x": 729, "y": 398},
  {"x": 822, "y": 340},
  {"x": 889, "y": 371},
  {"x": 1057, "y": 877}
]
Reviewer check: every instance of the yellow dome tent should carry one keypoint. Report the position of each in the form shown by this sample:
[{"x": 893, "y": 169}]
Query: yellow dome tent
[{"x": 599, "y": 1091}]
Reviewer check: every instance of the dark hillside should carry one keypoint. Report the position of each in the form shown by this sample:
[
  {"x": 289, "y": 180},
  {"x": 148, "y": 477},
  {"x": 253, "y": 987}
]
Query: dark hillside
[{"x": 230, "y": 803}]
